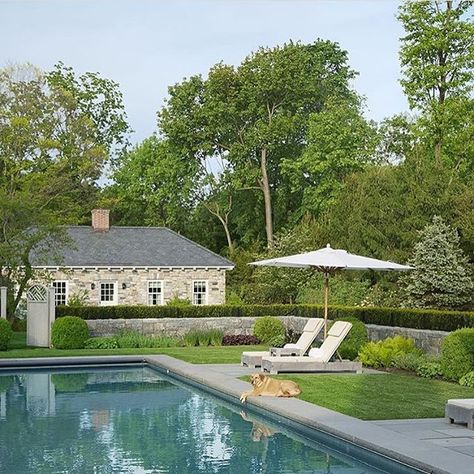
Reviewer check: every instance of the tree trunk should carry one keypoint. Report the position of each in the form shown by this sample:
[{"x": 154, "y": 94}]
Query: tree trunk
[{"x": 265, "y": 186}]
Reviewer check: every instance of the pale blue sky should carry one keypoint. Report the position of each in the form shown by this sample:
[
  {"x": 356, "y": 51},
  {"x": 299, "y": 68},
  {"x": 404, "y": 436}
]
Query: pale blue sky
[{"x": 146, "y": 45}]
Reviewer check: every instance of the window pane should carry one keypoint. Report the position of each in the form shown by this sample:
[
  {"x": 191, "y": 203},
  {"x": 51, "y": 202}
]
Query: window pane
[
  {"x": 107, "y": 291},
  {"x": 199, "y": 292},
  {"x": 60, "y": 292},
  {"x": 154, "y": 292}
]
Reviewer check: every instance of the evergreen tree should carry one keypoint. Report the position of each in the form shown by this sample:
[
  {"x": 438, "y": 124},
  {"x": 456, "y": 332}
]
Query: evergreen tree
[{"x": 441, "y": 278}]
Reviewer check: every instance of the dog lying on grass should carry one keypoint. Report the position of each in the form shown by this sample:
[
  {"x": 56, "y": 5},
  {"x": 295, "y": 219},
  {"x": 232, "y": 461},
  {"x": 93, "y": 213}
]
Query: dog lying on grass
[{"x": 264, "y": 385}]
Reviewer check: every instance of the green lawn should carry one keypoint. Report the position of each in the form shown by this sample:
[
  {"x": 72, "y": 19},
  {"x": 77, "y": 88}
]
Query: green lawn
[
  {"x": 195, "y": 355},
  {"x": 379, "y": 397}
]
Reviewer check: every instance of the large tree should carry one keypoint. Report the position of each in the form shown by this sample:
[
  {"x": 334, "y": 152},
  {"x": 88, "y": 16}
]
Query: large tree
[
  {"x": 256, "y": 114},
  {"x": 437, "y": 57},
  {"x": 339, "y": 142},
  {"x": 57, "y": 132}
]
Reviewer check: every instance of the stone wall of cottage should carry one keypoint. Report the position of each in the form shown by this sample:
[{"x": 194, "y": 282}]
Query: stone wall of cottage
[
  {"x": 429, "y": 341},
  {"x": 132, "y": 285}
]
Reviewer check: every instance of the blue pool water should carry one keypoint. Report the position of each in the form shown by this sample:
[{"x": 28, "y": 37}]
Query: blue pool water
[{"x": 136, "y": 420}]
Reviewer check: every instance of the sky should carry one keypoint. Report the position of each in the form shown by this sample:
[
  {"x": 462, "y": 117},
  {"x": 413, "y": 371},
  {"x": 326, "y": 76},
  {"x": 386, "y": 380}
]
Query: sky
[{"x": 147, "y": 45}]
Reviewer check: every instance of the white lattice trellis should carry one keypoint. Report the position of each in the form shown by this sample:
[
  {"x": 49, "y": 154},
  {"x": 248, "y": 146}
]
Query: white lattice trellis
[{"x": 37, "y": 294}]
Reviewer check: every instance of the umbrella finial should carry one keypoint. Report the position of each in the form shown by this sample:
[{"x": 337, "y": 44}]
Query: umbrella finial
[{"x": 328, "y": 246}]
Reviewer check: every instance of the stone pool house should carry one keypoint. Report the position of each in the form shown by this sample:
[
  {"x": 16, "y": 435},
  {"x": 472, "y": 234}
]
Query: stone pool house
[{"x": 135, "y": 265}]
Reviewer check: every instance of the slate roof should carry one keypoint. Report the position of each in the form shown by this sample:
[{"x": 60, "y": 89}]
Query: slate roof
[{"x": 135, "y": 247}]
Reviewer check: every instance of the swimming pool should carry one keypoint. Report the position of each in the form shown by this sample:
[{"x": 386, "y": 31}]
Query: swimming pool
[{"x": 139, "y": 420}]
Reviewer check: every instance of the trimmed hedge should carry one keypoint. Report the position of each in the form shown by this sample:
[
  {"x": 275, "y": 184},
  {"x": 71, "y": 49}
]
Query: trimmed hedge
[{"x": 409, "y": 318}]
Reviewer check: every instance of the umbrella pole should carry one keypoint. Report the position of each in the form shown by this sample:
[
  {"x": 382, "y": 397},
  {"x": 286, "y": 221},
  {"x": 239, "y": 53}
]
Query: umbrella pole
[{"x": 326, "y": 300}]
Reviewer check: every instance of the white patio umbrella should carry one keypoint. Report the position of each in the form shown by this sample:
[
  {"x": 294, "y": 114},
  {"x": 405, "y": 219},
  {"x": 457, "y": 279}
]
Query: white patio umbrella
[{"x": 329, "y": 261}]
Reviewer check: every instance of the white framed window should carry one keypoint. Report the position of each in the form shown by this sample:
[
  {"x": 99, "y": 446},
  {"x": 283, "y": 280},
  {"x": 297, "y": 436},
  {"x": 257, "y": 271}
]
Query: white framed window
[
  {"x": 60, "y": 292},
  {"x": 108, "y": 293},
  {"x": 155, "y": 292},
  {"x": 200, "y": 292}
]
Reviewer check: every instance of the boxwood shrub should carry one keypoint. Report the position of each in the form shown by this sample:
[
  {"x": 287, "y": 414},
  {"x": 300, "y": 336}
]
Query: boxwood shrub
[
  {"x": 409, "y": 318},
  {"x": 69, "y": 332},
  {"x": 457, "y": 354},
  {"x": 270, "y": 330},
  {"x": 6, "y": 333}
]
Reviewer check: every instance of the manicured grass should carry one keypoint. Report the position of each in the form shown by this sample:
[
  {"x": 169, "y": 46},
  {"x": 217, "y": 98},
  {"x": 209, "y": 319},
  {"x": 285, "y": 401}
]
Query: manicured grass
[
  {"x": 195, "y": 355},
  {"x": 379, "y": 397}
]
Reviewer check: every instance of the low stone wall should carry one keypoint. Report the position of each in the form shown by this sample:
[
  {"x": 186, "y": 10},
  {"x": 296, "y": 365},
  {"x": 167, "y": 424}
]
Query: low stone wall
[
  {"x": 425, "y": 339},
  {"x": 429, "y": 341}
]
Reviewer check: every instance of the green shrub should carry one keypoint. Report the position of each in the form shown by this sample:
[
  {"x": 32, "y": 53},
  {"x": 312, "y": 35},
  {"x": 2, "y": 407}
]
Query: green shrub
[
  {"x": 69, "y": 332},
  {"x": 212, "y": 337},
  {"x": 69, "y": 382},
  {"x": 191, "y": 339},
  {"x": 101, "y": 343},
  {"x": 5, "y": 382},
  {"x": 6, "y": 333},
  {"x": 408, "y": 361},
  {"x": 134, "y": 340},
  {"x": 357, "y": 337},
  {"x": 430, "y": 370},
  {"x": 277, "y": 341},
  {"x": 178, "y": 302},
  {"x": 457, "y": 354},
  {"x": 382, "y": 353},
  {"x": 403, "y": 317},
  {"x": 467, "y": 380},
  {"x": 269, "y": 330},
  {"x": 216, "y": 336}
]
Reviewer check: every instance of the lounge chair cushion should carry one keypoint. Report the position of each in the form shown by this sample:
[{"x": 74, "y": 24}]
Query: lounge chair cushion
[
  {"x": 312, "y": 325},
  {"x": 315, "y": 352},
  {"x": 337, "y": 328}
]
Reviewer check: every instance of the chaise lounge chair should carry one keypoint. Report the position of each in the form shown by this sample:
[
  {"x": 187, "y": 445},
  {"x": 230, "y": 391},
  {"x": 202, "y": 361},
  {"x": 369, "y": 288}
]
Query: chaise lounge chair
[
  {"x": 311, "y": 330},
  {"x": 318, "y": 360}
]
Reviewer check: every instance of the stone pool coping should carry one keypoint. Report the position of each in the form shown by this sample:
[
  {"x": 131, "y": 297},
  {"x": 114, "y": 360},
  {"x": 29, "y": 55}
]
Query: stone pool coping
[{"x": 418, "y": 454}]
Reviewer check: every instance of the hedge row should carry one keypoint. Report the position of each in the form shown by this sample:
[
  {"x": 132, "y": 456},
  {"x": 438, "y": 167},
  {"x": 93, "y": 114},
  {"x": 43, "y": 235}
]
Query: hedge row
[{"x": 409, "y": 318}]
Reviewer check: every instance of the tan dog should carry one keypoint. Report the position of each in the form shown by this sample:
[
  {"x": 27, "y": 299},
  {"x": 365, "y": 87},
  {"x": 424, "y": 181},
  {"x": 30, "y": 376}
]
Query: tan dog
[{"x": 264, "y": 385}]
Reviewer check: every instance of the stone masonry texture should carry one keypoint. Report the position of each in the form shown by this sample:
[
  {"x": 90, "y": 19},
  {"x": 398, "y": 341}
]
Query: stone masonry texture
[
  {"x": 176, "y": 282},
  {"x": 429, "y": 341}
]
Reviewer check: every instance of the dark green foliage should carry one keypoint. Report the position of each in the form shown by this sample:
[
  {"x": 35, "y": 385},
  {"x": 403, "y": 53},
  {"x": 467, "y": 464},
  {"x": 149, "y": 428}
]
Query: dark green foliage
[
  {"x": 467, "y": 380},
  {"x": 382, "y": 353},
  {"x": 69, "y": 332},
  {"x": 357, "y": 337},
  {"x": 69, "y": 382},
  {"x": 19, "y": 325},
  {"x": 6, "y": 333},
  {"x": 457, "y": 354},
  {"x": 270, "y": 330},
  {"x": 403, "y": 317},
  {"x": 430, "y": 369}
]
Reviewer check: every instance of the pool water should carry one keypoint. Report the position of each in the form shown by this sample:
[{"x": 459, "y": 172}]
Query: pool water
[{"x": 136, "y": 420}]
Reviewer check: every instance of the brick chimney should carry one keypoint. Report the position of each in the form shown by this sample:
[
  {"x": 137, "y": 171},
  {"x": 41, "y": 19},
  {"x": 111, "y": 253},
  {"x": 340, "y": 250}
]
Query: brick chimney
[{"x": 100, "y": 220}]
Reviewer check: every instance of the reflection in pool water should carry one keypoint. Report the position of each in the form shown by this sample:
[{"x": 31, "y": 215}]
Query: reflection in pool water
[{"x": 133, "y": 420}]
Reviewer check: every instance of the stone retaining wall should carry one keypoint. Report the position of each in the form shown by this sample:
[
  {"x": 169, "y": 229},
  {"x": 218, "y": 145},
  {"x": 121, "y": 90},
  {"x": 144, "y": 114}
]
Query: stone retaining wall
[{"x": 429, "y": 341}]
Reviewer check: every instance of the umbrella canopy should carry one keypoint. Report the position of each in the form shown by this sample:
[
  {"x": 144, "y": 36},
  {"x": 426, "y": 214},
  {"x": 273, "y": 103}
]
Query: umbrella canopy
[{"x": 328, "y": 261}]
